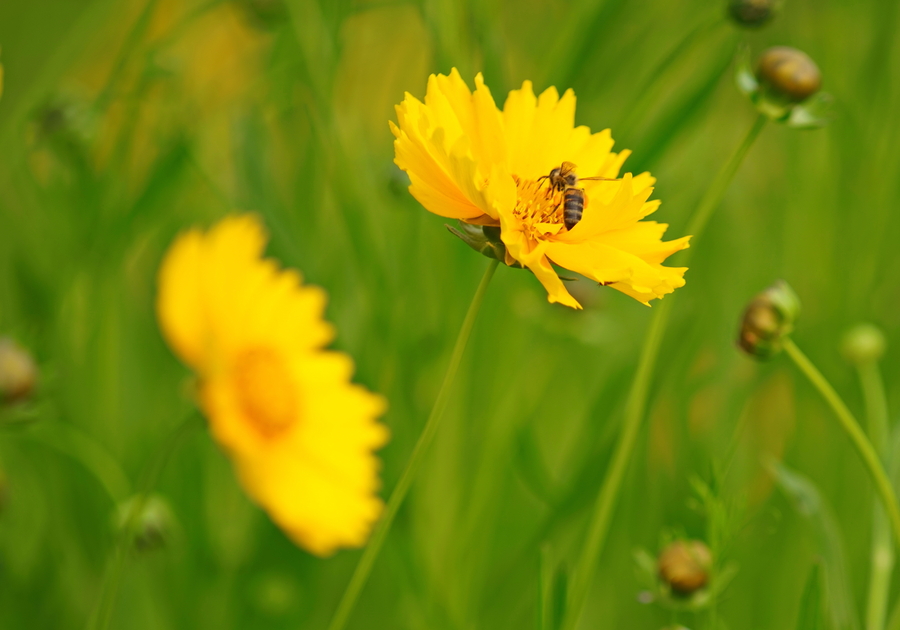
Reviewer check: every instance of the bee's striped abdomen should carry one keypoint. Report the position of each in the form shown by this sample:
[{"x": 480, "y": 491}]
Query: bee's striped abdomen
[{"x": 573, "y": 207}]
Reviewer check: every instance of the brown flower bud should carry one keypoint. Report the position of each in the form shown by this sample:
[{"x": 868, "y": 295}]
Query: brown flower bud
[
  {"x": 768, "y": 318},
  {"x": 685, "y": 565},
  {"x": 752, "y": 13},
  {"x": 18, "y": 372},
  {"x": 788, "y": 73}
]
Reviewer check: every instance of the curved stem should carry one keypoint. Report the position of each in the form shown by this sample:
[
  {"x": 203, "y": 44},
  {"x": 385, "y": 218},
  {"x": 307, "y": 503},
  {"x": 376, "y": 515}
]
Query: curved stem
[
  {"x": 364, "y": 567},
  {"x": 636, "y": 404},
  {"x": 116, "y": 570},
  {"x": 851, "y": 427}
]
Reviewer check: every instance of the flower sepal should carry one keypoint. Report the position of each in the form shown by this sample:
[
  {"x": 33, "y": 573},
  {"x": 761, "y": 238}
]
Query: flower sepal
[{"x": 484, "y": 239}]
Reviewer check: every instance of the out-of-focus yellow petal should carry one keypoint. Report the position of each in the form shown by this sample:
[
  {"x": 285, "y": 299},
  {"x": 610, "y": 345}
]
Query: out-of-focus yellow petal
[{"x": 300, "y": 433}]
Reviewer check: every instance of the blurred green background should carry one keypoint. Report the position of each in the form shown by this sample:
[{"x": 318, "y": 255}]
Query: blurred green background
[{"x": 123, "y": 122}]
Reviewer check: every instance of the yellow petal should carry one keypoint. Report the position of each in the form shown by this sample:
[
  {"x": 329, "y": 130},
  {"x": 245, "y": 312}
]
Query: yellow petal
[{"x": 518, "y": 246}]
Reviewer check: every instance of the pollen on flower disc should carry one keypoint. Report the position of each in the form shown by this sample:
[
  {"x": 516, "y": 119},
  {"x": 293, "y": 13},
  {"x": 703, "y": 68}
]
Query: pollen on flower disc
[{"x": 266, "y": 392}]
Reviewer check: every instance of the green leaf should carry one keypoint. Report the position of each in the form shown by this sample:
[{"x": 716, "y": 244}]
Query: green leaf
[
  {"x": 811, "y": 615},
  {"x": 744, "y": 76},
  {"x": 810, "y": 504},
  {"x": 531, "y": 467},
  {"x": 560, "y": 595},
  {"x": 813, "y": 113}
]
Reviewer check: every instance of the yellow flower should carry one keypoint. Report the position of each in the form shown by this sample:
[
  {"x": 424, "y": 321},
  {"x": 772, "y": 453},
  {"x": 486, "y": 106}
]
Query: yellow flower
[
  {"x": 300, "y": 434},
  {"x": 470, "y": 161}
]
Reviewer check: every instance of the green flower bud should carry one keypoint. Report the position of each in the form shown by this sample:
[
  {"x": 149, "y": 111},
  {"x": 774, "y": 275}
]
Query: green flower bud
[
  {"x": 484, "y": 239},
  {"x": 18, "y": 372},
  {"x": 864, "y": 343},
  {"x": 768, "y": 318},
  {"x": 685, "y": 566},
  {"x": 276, "y": 594},
  {"x": 788, "y": 74},
  {"x": 752, "y": 13},
  {"x": 154, "y": 524}
]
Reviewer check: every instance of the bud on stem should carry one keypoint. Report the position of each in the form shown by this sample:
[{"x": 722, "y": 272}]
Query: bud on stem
[
  {"x": 685, "y": 565},
  {"x": 768, "y": 319}
]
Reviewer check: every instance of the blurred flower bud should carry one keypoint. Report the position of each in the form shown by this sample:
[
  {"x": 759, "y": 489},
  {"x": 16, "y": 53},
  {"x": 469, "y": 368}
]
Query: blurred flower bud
[
  {"x": 752, "y": 13},
  {"x": 768, "y": 318},
  {"x": 864, "y": 343},
  {"x": 784, "y": 86},
  {"x": 154, "y": 524},
  {"x": 788, "y": 73},
  {"x": 276, "y": 594},
  {"x": 685, "y": 565},
  {"x": 18, "y": 372}
]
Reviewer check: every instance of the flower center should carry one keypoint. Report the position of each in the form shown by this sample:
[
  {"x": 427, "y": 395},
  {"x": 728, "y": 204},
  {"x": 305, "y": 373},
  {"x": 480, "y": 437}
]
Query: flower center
[
  {"x": 539, "y": 208},
  {"x": 265, "y": 391}
]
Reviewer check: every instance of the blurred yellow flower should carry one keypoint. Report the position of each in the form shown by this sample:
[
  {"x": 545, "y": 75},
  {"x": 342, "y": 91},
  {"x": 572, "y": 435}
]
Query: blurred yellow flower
[
  {"x": 300, "y": 434},
  {"x": 470, "y": 161}
]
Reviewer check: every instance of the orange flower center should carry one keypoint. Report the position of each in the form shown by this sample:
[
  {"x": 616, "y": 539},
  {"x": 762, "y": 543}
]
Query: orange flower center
[
  {"x": 265, "y": 390},
  {"x": 539, "y": 208}
]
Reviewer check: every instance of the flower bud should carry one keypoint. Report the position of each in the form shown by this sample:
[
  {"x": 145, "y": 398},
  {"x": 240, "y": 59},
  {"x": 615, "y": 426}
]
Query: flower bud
[
  {"x": 685, "y": 565},
  {"x": 18, "y": 372},
  {"x": 484, "y": 239},
  {"x": 768, "y": 319},
  {"x": 752, "y": 13},
  {"x": 864, "y": 343},
  {"x": 154, "y": 523},
  {"x": 788, "y": 74}
]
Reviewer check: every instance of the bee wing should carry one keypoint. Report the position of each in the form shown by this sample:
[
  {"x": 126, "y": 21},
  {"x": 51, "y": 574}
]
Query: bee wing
[{"x": 600, "y": 179}]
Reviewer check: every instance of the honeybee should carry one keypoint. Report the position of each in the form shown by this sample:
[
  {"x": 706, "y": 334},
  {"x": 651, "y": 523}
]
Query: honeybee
[{"x": 563, "y": 179}]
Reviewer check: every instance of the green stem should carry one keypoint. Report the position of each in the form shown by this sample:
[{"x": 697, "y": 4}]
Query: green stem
[
  {"x": 370, "y": 553},
  {"x": 717, "y": 189},
  {"x": 102, "y": 614},
  {"x": 880, "y": 570},
  {"x": 882, "y": 545},
  {"x": 876, "y": 407},
  {"x": 851, "y": 427},
  {"x": 636, "y": 404}
]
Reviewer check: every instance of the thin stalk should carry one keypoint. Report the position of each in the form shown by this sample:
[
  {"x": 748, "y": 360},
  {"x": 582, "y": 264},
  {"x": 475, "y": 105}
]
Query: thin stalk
[
  {"x": 115, "y": 572},
  {"x": 370, "y": 553},
  {"x": 857, "y": 436},
  {"x": 636, "y": 404},
  {"x": 882, "y": 565}
]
